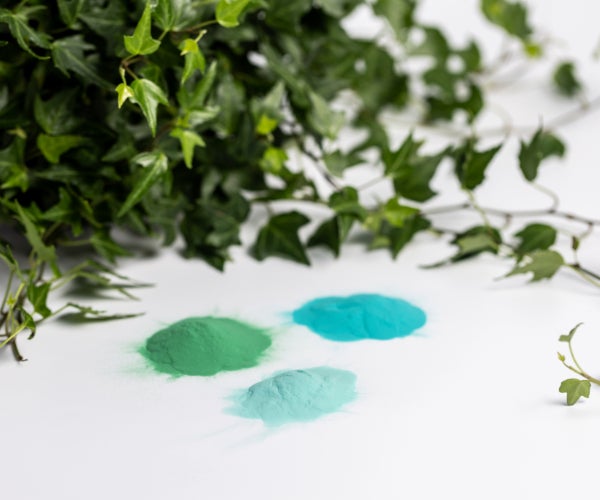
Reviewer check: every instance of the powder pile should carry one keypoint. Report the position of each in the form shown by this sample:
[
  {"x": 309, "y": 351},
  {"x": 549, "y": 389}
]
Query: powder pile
[
  {"x": 205, "y": 346},
  {"x": 296, "y": 395},
  {"x": 362, "y": 316}
]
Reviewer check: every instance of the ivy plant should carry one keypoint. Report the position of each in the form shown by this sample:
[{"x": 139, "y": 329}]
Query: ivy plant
[{"x": 172, "y": 119}]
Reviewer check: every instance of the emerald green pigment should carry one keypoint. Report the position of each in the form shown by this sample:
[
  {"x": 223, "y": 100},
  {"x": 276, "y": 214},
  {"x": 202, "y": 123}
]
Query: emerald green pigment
[{"x": 205, "y": 346}]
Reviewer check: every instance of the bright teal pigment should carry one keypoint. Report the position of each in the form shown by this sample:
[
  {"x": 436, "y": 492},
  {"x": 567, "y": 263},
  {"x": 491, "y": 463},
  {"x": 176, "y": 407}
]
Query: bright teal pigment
[
  {"x": 358, "y": 317},
  {"x": 296, "y": 396}
]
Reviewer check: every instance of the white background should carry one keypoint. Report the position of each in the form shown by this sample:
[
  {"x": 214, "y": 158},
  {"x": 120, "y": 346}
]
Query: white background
[{"x": 467, "y": 408}]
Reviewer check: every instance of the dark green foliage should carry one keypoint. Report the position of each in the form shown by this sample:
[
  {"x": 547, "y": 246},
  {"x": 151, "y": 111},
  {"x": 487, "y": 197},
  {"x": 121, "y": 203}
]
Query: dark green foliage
[
  {"x": 173, "y": 118},
  {"x": 565, "y": 80}
]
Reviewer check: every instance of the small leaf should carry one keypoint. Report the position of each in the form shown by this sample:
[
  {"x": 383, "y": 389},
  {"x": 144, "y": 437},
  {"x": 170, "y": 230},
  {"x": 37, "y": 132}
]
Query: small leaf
[
  {"x": 542, "y": 145},
  {"x": 141, "y": 42},
  {"x": 331, "y": 233},
  {"x": 565, "y": 80},
  {"x": 17, "y": 21},
  {"x": 148, "y": 95},
  {"x": 89, "y": 314},
  {"x": 535, "y": 237},
  {"x": 279, "y": 237},
  {"x": 569, "y": 336},
  {"x": 69, "y": 10},
  {"x": 154, "y": 165},
  {"x": 189, "y": 140},
  {"x": 68, "y": 55},
  {"x": 273, "y": 160},
  {"x": 561, "y": 357},
  {"x": 470, "y": 164},
  {"x": 323, "y": 119},
  {"x": 53, "y": 146},
  {"x": 194, "y": 59},
  {"x": 542, "y": 263},
  {"x": 37, "y": 296},
  {"x": 124, "y": 92},
  {"x": 511, "y": 16},
  {"x": 229, "y": 11},
  {"x": 46, "y": 253},
  {"x": 574, "y": 389}
]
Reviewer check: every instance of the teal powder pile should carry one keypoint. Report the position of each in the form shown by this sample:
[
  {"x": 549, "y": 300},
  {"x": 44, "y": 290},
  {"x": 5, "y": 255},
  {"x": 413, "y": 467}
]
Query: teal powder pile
[
  {"x": 205, "y": 346},
  {"x": 362, "y": 316},
  {"x": 296, "y": 396}
]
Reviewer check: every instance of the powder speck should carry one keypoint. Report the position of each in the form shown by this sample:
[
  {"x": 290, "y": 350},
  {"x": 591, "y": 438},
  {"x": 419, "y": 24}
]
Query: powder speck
[
  {"x": 205, "y": 346},
  {"x": 296, "y": 395},
  {"x": 362, "y": 316}
]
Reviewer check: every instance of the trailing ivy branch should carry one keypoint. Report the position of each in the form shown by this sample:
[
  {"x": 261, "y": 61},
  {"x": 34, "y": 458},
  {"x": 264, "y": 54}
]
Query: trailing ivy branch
[
  {"x": 575, "y": 388},
  {"x": 173, "y": 118}
]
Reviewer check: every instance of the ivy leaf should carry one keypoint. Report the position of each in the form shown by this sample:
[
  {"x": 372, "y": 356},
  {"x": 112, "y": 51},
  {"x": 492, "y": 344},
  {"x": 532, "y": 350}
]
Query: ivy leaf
[
  {"x": 470, "y": 165},
  {"x": 46, "y": 253},
  {"x": 141, "y": 42},
  {"x": 510, "y": 16},
  {"x": 346, "y": 202},
  {"x": 323, "y": 119},
  {"x": 89, "y": 314},
  {"x": 106, "y": 246},
  {"x": 332, "y": 233},
  {"x": 38, "y": 296},
  {"x": 17, "y": 21},
  {"x": 154, "y": 165},
  {"x": 194, "y": 59},
  {"x": 542, "y": 146},
  {"x": 565, "y": 80},
  {"x": 68, "y": 55},
  {"x": 574, "y": 389},
  {"x": 542, "y": 263},
  {"x": 399, "y": 237},
  {"x": 273, "y": 160},
  {"x": 570, "y": 335},
  {"x": 279, "y": 237},
  {"x": 69, "y": 10},
  {"x": 189, "y": 140},
  {"x": 337, "y": 162},
  {"x": 124, "y": 92},
  {"x": 148, "y": 95},
  {"x": 229, "y": 11},
  {"x": 52, "y": 147},
  {"x": 57, "y": 115},
  {"x": 399, "y": 13},
  {"x": 473, "y": 242},
  {"x": 535, "y": 237},
  {"x": 13, "y": 172}
]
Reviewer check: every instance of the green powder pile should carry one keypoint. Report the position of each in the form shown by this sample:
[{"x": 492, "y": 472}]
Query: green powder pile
[{"x": 205, "y": 346}]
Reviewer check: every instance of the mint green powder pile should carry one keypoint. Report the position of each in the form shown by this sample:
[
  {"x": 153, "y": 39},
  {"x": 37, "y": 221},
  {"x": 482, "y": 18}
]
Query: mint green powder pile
[
  {"x": 296, "y": 396},
  {"x": 205, "y": 346}
]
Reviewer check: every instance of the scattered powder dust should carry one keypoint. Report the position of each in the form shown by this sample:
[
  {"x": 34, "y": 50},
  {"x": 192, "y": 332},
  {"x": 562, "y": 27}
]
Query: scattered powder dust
[
  {"x": 362, "y": 316},
  {"x": 205, "y": 346},
  {"x": 296, "y": 396}
]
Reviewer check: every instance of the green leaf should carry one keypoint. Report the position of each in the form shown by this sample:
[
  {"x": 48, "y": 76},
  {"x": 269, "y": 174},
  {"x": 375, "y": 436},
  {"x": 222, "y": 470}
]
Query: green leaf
[
  {"x": 535, "y": 237},
  {"x": 194, "y": 59},
  {"x": 17, "y": 21},
  {"x": 46, "y": 253},
  {"x": 13, "y": 172},
  {"x": 399, "y": 13},
  {"x": 86, "y": 314},
  {"x": 510, "y": 16},
  {"x": 58, "y": 115},
  {"x": 52, "y": 147},
  {"x": 543, "y": 145},
  {"x": 148, "y": 96},
  {"x": 331, "y": 233},
  {"x": 346, "y": 202},
  {"x": 7, "y": 256},
  {"x": 542, "y": 263},
  {"x": 106, "y": 246},
  {"x": 399, "y": 237},
  {"x": 141, "y": 42},
  {"x": 229, "y": 11},
  {"x": 189, "y": 140},
  {"x": 565, "y": 80},
  {"x": 574, "y": 389},
  {"x": 154, "y": 166},
  {"x": 470, "y": 165},
  {"x": 124, "y": 92},
  {"x": 273, "y": 160},
  {"x": 38, "y": 296},
  {"x": 323, "y": 119},
  {"x": 570, "y": 335},
  {"x": 337, "y": 162},
  {"x": 69, "y": 10},
  {"x": 68, "y": 55},
  {"x": 279, "y": 237}
]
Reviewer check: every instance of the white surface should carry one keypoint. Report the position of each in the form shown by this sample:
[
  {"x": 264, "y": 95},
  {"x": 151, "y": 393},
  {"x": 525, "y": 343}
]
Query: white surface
[{"x": 468, "y": 408}]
